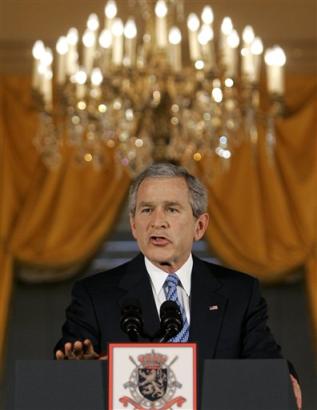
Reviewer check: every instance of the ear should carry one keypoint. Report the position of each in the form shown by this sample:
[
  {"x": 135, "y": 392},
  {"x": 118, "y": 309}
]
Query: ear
[
  {"x": 132, "y": 226},
  {"x": 201, "y": 225}
]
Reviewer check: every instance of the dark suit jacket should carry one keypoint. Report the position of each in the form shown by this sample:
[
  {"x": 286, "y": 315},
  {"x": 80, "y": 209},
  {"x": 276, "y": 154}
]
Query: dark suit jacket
[{"x": 237, "y": 329}]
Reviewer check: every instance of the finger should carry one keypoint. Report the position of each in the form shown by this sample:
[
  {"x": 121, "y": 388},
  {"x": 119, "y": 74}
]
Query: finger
[
  {"x": 78, "y": 349},
  {"x": 69, "y": 350},
  {"x": 298, "y": 395},
  {"x": 89, "y": 350},
  {"x": 105, "y": 357},
  {"x": 88, "y": 347},
  {"x": 59, "y": 355},
  {"x": 297, "y": 392}
]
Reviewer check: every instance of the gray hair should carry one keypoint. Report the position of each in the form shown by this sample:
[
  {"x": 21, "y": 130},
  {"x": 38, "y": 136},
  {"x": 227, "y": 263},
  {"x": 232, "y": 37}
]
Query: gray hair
[{"x": 198, "y": 196}]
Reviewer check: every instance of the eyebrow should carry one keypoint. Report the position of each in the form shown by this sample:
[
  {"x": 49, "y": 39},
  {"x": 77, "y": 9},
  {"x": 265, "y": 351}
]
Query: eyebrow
[
  {"x": 166, "y": 203},
  {"x": 143, "y": 203},
  {"x": 172, "y": 203}
]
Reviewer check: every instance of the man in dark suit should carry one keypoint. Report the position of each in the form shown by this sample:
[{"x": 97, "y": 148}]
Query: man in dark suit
[{"x": 223, "y": 309}]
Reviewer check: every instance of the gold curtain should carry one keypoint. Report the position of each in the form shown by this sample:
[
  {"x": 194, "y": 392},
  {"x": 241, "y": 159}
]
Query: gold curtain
[
  {"x": 263, "y": 217},
  {"x": 51, "y": 219},
  {"x": 263, "y": 214}
]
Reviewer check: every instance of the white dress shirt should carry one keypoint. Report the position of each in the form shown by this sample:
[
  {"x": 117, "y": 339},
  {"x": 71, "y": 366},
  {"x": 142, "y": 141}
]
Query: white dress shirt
[{"x": 158, "y": 277}]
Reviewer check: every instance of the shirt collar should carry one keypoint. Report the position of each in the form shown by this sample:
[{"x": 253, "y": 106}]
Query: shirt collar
[{"x": 158, "y": 276}]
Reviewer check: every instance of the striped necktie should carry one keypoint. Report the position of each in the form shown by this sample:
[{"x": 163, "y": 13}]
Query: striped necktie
[{"x": 170, "y": 287}]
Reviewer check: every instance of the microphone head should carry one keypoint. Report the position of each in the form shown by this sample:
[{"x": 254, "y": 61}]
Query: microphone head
[
  {"x": 131, "y": 306},
  {"x": 169, "y": 307},
  {"x": 171, "y": 318},
  {"x": 131, "y": 317}
]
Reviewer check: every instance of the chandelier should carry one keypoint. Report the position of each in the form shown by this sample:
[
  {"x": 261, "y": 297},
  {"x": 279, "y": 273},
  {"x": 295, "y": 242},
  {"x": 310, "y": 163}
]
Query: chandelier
[{"x": 125, "y": 86}]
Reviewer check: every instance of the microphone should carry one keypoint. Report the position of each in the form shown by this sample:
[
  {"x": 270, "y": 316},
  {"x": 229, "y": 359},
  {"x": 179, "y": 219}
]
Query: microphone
[
  {"x": 131, "y": 319},
  {"x": 171, "y": 320}
]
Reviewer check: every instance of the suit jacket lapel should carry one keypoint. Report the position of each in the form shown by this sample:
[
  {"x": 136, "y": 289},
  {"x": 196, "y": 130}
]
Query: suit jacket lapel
[
  {"x": 137, "y": 285},
  {"x": 207, "y": 309},
  {"x": 207, "y": 303}
]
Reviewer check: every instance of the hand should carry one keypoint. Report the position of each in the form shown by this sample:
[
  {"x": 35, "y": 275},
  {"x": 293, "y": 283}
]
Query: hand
[
  {"x": 297, "y": 392},
  {"x": 78, "y": 351}
]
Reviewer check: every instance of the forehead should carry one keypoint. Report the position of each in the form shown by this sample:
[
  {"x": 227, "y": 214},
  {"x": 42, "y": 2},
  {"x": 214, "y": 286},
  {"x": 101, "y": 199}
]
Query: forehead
[{"x": 164, "y": 189}]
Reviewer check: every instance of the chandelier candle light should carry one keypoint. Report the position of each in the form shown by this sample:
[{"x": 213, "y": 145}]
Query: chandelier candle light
[{"x": 129, "y": 87}]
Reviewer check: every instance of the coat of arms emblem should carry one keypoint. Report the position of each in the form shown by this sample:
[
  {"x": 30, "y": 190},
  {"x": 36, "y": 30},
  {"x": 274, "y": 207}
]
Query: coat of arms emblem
[{"x": 152, "y": 384}]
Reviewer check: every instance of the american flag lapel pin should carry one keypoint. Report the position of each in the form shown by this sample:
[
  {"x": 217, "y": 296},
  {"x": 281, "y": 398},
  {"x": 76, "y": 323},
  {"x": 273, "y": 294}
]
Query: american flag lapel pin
[{"x": 213, "y": 307}]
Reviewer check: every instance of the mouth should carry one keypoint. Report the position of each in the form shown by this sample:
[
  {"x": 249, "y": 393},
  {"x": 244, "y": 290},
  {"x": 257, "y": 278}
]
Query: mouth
[{"x": 159, "y": 240}]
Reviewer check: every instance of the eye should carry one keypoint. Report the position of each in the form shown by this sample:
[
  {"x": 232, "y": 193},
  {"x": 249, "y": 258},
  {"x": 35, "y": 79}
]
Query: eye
[
  {"x": 146, "y": 210},
  {"x": 172, "y": 210}
]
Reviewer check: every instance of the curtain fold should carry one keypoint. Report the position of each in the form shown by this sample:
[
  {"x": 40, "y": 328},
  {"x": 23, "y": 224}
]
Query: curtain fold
[
  {"x": 56, "y": 217},
  {"x": 263, "y": 214},
  {"x": 48, "y": 219}
]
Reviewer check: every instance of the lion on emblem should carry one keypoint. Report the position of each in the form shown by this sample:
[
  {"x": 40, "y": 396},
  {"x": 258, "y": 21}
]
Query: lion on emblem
[{"x": 152, "y": 382}]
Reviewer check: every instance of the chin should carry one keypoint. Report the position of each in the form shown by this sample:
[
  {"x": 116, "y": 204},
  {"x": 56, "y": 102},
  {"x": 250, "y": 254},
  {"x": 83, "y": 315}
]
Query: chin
[{"x": 160, "y": 257}]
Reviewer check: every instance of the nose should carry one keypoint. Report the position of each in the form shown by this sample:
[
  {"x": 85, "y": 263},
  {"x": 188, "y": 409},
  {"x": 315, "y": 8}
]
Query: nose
[{"x": 158, "y": 219}]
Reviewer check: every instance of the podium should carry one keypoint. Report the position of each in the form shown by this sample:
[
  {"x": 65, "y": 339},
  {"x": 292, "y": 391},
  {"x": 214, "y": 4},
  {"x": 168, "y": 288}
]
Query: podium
[
  {"x": 247, "y": 385},
  {"x": 60, "y": 385},
  {"x": 82, "y": 385}
]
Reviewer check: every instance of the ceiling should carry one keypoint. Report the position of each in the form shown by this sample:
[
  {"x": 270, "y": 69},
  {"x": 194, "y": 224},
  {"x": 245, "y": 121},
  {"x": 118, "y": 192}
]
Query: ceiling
[{"x": 289, "y": 23}]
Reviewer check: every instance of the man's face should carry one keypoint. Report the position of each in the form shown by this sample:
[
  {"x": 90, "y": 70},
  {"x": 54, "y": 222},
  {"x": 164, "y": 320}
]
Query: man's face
[{"x": 163, "y": 224}]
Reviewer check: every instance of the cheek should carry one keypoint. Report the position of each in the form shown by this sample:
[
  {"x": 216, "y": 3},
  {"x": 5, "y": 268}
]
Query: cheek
[
  {"x": 187, "y": 234},
  {"x": 192, "y": 229},
  {"x": 138, "y": 230}
]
